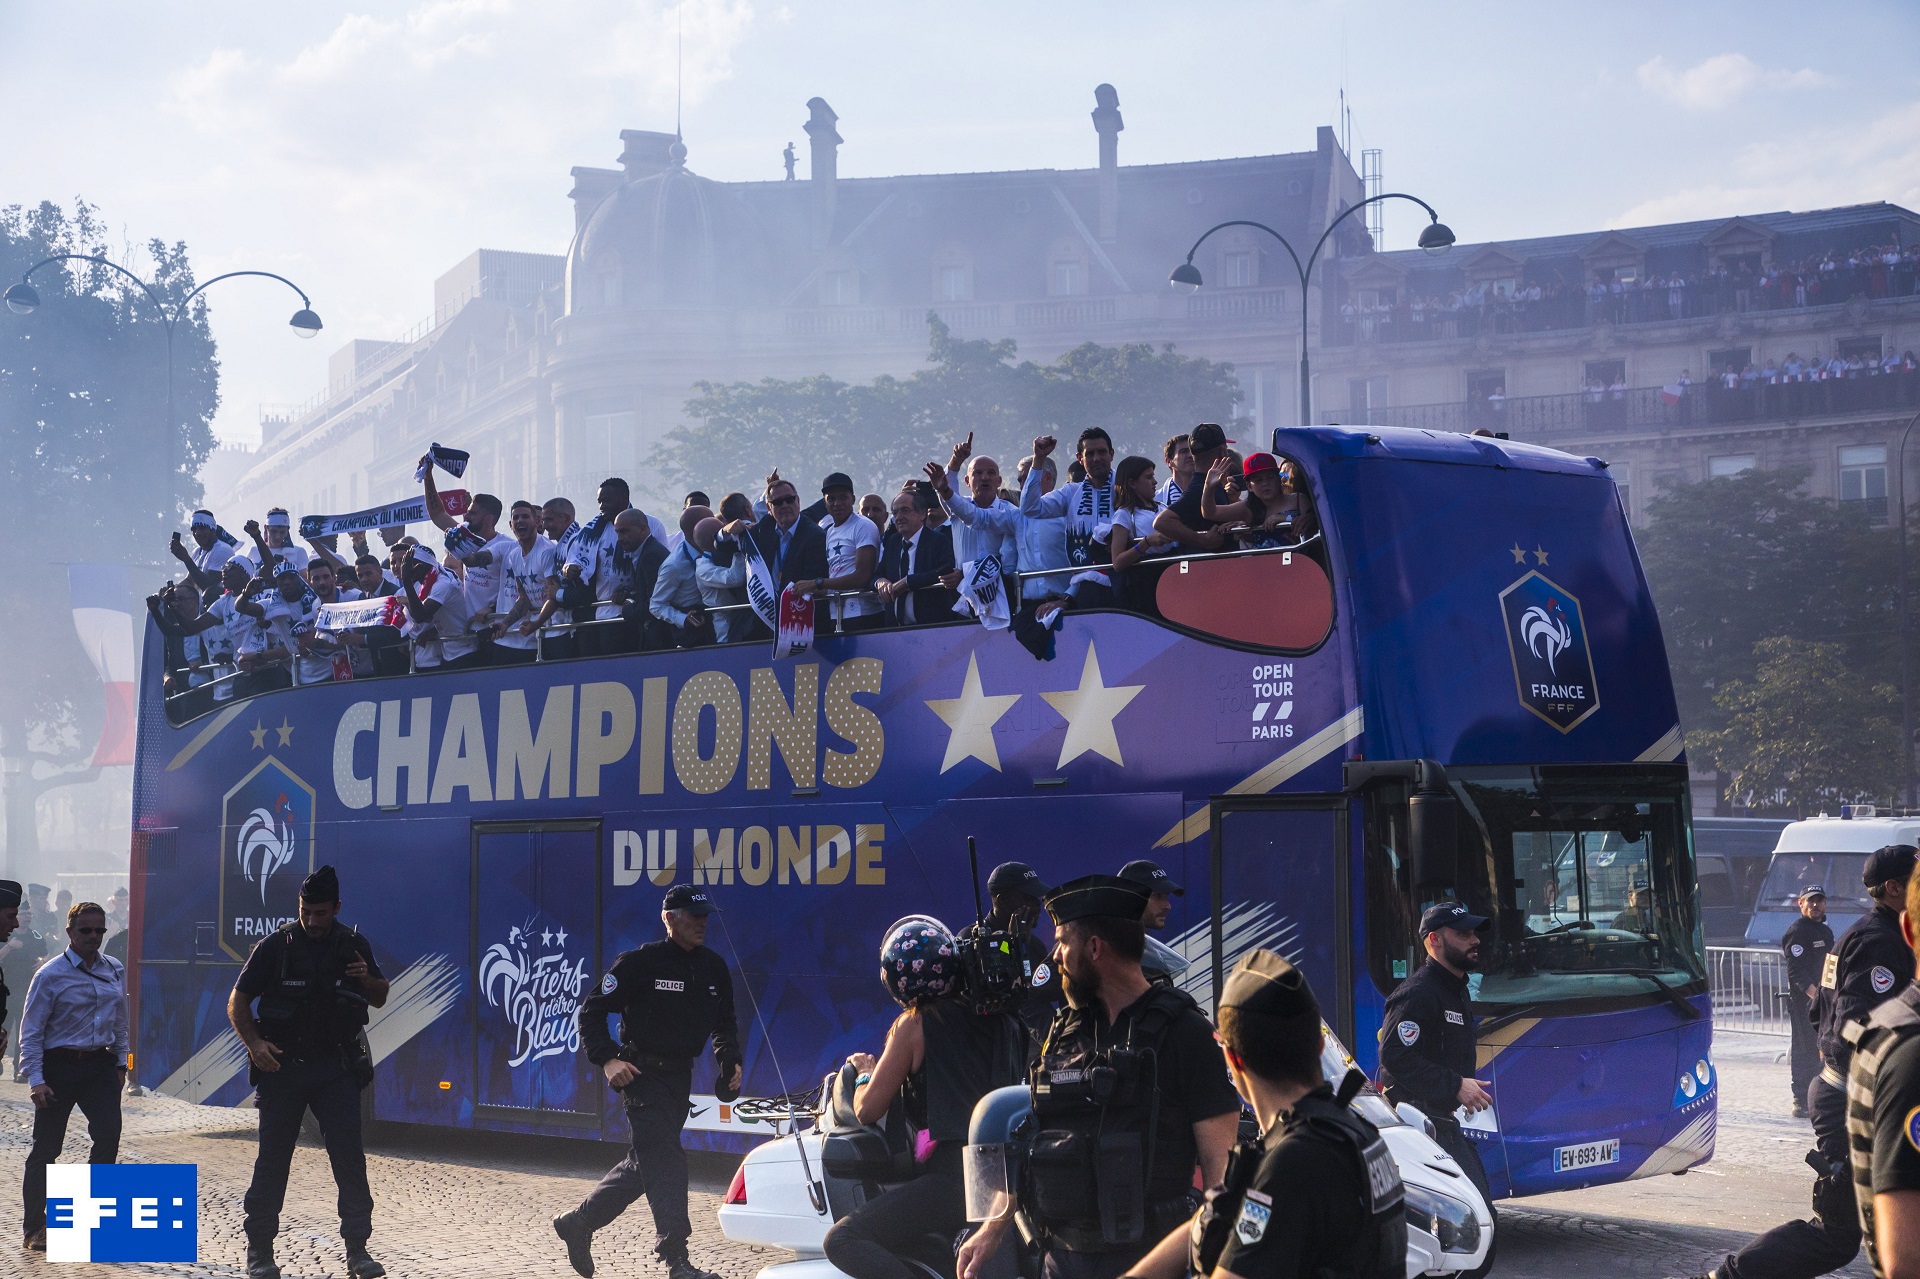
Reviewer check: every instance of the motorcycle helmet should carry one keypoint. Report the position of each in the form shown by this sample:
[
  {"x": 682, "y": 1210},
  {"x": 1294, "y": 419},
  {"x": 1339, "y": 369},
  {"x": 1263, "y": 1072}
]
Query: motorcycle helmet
[{"x": 920, "y": 961}]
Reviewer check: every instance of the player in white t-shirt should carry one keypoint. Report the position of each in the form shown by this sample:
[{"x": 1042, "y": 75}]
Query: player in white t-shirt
[
  {"x": 277, "y": 538},
  {"x": 853, "y": 555},
  {"x": 438, "y": 622},
  {"x": 212, "y": 548},
  {"x": 527, "y": 589}
]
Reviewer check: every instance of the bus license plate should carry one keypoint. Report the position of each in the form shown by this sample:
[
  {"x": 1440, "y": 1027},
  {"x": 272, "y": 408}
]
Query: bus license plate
[{"x": 1590, "y": 1155}]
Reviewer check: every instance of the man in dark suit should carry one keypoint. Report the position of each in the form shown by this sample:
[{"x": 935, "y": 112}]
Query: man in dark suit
[
  {"x": 630, "y": 575},
  {"x": 912, "y": 561},
  {"x": 794, "y": 549}
]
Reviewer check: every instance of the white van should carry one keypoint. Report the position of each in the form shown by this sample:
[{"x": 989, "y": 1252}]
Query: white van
[{"x": 1830, "y": 852}]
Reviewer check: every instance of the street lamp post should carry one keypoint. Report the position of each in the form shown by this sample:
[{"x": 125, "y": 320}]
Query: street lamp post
[
  {"x": 22, "y": 298},
  {"x": 1906, "y": 660},
  {"x": 1435, "y": 237}
]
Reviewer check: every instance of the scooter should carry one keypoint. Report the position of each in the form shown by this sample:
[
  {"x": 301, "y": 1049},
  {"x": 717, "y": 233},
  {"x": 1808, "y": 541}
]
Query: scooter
[{"x": 789, "y": 1191}]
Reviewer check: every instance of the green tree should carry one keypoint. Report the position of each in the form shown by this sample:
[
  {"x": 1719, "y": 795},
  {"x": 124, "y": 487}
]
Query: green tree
[
  {"x": 1807, "y": 731},
  {"x": 1737, "y": 560},
  {"x": 83, "y": 465},
  {"x": 886, "y": 430}
]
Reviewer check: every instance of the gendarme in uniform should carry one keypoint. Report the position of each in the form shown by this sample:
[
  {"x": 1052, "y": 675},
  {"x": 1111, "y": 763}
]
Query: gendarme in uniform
[
  {"x": 671, "y": 997},
  {"x": 1883, "y": 1108},
  {"x": 1115, "y": 1104},
  {"x": 1319, "y": 1193},
  {"x": 1806, "y": 944}
]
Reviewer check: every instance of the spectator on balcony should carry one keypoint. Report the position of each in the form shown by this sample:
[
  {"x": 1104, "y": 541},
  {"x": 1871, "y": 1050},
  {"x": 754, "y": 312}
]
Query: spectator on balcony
[
  {"x": 1131, "y": 537},
  {"x": 721, "y": 584},
  {"x": 1180, "y": 469},
  {"x": 915, "y": 562},
  {"x": 212, "y": 548},
  {"x": 437, "y": 623},
  {"x": 677, "y": 602},
  {"x": 984, "y": 523}
]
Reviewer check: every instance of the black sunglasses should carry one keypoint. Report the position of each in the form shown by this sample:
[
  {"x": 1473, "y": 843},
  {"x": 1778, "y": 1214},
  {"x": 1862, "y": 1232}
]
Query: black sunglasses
[
  {"x": 88, "y": 932},
  {"x": 789, "y": 500}
]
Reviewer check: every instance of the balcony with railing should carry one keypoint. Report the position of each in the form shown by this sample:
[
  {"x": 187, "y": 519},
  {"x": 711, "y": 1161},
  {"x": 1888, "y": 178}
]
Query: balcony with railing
[{"x": 1536, "y": 417}]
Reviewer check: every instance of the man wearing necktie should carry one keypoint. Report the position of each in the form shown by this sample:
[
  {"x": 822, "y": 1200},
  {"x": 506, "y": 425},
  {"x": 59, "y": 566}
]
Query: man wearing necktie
[
  {"x": 794, "y": 549},
  {"x": 911, "y": 562}
]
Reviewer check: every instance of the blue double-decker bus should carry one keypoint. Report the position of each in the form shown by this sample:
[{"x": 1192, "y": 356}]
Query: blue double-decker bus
[{"x": 1457, "y": 687}]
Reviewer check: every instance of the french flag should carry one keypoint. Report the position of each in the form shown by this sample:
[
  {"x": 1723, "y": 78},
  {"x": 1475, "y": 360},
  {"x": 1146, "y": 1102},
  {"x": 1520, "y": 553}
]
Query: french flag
[{"x": 104, "y": 620}]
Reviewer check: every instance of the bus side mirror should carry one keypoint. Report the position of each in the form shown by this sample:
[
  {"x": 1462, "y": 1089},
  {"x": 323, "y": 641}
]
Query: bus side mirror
[{"x": 1432, "y": 834}]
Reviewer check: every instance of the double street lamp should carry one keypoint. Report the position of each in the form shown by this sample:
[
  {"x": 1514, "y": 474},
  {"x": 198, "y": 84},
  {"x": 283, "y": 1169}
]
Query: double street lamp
[
  {"x": 22, "y": 299},
  {"x": 1435, "y": 237}
]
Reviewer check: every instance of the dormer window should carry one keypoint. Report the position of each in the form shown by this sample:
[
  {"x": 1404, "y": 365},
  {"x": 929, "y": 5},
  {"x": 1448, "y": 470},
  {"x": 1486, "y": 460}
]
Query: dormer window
[
  {"x": 954, "y": 284},
  {"x": 1064, "y": 279},
  {"x": 953, "y": 274},
  {"x": 840, "y": 288},
  {"x": 1237, "y": 269}
]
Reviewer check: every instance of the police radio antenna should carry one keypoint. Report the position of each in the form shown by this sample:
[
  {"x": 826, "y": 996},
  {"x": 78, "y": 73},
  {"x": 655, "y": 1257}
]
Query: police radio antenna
[{"x": 973, "y": 862}]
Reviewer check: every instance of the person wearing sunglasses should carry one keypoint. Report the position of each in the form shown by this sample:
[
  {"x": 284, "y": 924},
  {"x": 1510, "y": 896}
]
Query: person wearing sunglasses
[{"x": 73, "y": 1048}]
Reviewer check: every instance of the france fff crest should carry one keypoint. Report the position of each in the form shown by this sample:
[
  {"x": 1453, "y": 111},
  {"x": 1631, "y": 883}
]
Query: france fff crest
[
  {"x": 1552, "y": 663},
  {"x": 266, "y": 849}
]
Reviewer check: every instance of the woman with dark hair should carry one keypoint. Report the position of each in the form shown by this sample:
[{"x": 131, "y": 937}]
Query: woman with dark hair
[
  {"x": 943, "y": 1054},
  {"x": 1131, "y": 539},
  {"x": 1274, "y": 511}
]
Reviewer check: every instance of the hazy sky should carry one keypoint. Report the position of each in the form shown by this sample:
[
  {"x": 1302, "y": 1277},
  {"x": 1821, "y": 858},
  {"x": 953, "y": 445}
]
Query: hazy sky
[{"x": 362, "y": 149}]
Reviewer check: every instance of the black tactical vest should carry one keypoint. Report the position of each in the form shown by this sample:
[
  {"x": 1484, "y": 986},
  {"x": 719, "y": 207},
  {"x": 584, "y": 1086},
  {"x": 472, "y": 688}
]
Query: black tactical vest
[
  {"x": 1872, "y": 1040},
  {"x": 968, "y": 1055},
  {"x": 1098, "y": 1119},
  {"x": 307, "y": 1009},
  {"x": 1378, "y": 1252}
]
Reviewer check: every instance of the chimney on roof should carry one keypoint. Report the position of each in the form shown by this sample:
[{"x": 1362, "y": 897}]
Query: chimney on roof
[
  {"x": 647, "y": 153},
  {"x": 1107, "y": 123},
  {"x": 825, "y": 143}
]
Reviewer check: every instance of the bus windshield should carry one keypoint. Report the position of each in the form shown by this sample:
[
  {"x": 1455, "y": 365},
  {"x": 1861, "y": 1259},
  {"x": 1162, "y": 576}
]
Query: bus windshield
[
  {"x": 1594, "y": 883},
  {"x": 1837, "y": 873}
]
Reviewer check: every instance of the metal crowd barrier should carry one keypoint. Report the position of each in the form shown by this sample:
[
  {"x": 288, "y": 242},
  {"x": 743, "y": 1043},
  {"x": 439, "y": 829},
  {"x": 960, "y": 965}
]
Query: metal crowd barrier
[
  {"x": 1749, "y": 990},
  {"x": 1017, "y": 579}
]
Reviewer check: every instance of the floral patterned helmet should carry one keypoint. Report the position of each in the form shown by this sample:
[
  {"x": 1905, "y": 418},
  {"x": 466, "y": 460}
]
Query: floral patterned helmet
[{"x": 920, "y": 962}]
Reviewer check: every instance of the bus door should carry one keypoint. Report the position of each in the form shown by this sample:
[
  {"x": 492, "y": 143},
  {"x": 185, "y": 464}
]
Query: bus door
[
  {"x": 1279, "y": 882},
  {"x": 536, "y": 956}
]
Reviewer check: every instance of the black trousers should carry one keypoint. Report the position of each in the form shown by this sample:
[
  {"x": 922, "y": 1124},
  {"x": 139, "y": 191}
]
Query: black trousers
[
  {"x": 656, "y": 1166},
  {"x": 1452, "y": 1139},
  {"x": 1805, "y": 1053},
  {"x": 918, "y": 1219},
  {"x": 1831, "y": 1237},
  {"x": 324, "y": 1086},
  {"x": 91, "y": 1082}
]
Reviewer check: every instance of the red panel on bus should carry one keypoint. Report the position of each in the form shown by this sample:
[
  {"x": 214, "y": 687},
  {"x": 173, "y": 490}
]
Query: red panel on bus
[{"x": 1278, "y": 601}]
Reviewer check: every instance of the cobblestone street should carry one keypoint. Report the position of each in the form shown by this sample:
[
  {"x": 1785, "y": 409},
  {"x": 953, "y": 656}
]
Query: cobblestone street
[{"x": 452, "y": 1205}]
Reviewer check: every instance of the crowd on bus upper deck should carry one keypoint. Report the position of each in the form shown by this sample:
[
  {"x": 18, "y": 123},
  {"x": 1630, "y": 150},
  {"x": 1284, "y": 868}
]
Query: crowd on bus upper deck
[{"x": 511, "y": 581}]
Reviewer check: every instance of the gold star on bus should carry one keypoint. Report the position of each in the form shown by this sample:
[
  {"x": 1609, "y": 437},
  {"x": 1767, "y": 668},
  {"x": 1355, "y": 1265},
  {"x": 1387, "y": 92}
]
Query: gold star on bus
[{"x": 1519, "y": 556}]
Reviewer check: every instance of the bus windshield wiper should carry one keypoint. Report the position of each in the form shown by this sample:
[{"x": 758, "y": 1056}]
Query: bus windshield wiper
[{"x": 1673, "y": 996}]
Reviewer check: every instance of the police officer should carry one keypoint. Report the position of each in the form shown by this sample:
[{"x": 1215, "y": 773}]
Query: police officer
[
  {"x": 1883, "y": 1123},
  {"x": 1162, "y": 962},
  {"x": 1427, "y": 1054},
  {"x": 671, "y": 996},
  {"x": 1869, "y": 965},
  {"x": 315, "y": 980},
  {"x": 1130, "y": 1095},
  {"x": 1806, "y": 944},
  {"x": 1015, "y": 893},
  {"x": 1318, "y": 1193},
  {"x": 10, "y": 896}
]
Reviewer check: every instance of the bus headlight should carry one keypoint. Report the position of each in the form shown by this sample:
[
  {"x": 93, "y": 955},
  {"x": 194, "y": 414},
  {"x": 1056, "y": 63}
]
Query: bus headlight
[{"x": 1445, "y": 1218}]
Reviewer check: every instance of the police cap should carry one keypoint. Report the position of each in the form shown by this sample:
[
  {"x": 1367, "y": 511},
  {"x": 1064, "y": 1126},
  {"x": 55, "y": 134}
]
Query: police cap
[
  {"x": 1266, "y": 984},
  {"x": 1016, "y": 877},
  {"x": 38, "y": 890},
  {"x": 1449, "y": 915},
  {"x": 10, "y": 894},
  {"x": 1812, "y": 892},
  {"x": 1894, "y": 861},
  {"x": 321, "y": 886},
  {"x": 688, "y": 898},
  {"x": 1142, "y": 871},
  {"x": 1092, "y": 895}
]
